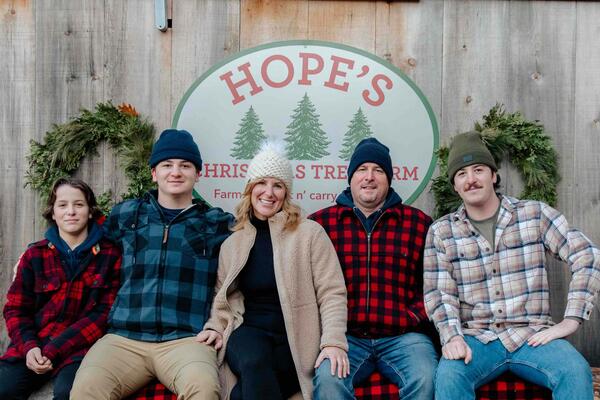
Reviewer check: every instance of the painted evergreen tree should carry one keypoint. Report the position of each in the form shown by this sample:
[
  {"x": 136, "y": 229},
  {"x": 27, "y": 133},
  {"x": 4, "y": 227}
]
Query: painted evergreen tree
[
  {"x": 358, "y": 130},
  {"x": 249, "y": 137},
  {"x": 304, "y": 136}
]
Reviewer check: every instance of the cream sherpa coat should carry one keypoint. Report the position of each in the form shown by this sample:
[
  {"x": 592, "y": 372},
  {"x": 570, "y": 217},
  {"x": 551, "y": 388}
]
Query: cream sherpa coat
[{"x": 311, "y": 289}]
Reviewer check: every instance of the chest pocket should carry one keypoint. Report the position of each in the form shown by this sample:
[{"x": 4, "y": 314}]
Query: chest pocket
[
  {"x": 47, "y": 285},
  {"x": 469, "y": 268},
  {"x": 197, "y": 240}
]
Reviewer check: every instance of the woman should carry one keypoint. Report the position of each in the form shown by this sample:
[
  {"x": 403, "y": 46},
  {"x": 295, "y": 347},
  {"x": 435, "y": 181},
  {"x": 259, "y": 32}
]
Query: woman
[
  {"x": 280, "y": 307},
  {"x": 58, "y": 304}
]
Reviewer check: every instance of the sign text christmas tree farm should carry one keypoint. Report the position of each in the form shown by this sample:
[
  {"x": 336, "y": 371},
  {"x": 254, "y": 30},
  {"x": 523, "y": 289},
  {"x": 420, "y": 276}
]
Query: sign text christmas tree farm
[{"x": 320, "y": 99}]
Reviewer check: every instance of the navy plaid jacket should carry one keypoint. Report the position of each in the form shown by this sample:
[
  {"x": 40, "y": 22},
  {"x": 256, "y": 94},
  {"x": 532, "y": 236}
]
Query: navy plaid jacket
[
  {"x": 383, "y": 270},
  {"x": 168, "y": 270}
]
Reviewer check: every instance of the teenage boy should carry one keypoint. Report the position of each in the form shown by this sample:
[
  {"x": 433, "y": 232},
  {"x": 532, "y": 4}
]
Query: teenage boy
[{"x": 170, "y": 247}]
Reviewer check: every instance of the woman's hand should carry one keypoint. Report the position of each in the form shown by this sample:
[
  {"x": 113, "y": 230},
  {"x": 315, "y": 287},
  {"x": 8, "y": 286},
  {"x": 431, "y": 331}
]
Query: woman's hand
[
  {"x": 36, "y": 362},
  {"x": 338, "y": 359},
  {"x": 210, "y": 338}
]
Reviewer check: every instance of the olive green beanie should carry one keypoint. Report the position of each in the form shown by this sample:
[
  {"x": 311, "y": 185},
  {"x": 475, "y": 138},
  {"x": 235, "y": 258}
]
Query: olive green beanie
[{"x": 468, "y": 149}]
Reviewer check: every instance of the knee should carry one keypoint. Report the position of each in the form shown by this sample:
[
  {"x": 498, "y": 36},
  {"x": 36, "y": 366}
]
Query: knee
[
  {"x": 575, "y": 369},
  {"x": 198, "y": 383},
  {"x": 89, "y": 381},
  {"x": 252, "y": 361},
  {"x": 327, "y": 386},
  {"x": 62, "y": 392}
]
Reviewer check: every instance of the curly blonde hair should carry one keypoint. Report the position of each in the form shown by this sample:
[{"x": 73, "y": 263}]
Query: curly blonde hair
[{"x": 244, "y": 210}]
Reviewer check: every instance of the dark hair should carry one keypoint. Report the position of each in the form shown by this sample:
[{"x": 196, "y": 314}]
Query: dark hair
[
  {"x": 88, "y": 193},
  {"x": 497, "y": 184}
]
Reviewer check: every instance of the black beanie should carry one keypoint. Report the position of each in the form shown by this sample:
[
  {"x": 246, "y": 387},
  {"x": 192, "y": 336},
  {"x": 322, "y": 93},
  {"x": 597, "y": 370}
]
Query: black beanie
[
  {"x": 174, "y": 143},
  {"x": 371, "y": 150}
]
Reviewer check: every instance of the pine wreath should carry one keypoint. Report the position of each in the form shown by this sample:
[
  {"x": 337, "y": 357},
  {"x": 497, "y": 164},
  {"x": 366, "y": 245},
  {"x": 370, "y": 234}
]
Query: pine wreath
[
  {"x": 67, "y": 144},
  {"x": 511, "y": 137}
]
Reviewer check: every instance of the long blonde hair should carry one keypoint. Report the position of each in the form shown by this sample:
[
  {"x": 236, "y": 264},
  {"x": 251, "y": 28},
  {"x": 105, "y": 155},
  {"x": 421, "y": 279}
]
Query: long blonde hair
[{"x": 244, "y": 210}]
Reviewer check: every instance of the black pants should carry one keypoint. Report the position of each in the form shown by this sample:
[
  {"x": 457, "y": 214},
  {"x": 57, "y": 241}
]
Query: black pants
[
  {"x": 263, "y": 364},
  {"x": 17, "y": 381}
]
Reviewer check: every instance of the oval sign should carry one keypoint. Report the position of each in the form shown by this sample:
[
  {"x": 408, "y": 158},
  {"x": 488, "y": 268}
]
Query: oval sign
[{"x": 319, "y": 99}]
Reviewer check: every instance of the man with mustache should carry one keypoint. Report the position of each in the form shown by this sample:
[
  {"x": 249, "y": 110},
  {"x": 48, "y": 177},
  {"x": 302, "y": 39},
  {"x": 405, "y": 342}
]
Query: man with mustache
[{"x": 486, "y": 286}]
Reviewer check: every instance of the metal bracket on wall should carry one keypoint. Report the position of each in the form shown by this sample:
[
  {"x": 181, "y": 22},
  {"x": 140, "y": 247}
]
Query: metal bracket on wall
[{"x": 160, "y": 15}]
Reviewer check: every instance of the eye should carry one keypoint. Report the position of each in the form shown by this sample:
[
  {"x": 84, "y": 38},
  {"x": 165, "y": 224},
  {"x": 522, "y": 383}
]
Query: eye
[{"x": 379, "y": 171}]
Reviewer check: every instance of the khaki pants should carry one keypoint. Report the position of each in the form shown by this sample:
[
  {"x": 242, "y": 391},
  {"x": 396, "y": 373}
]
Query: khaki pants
[{"x": 116, "y": 367}]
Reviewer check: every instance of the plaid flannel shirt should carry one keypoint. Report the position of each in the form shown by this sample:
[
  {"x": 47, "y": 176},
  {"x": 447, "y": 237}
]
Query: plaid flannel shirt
[
  {"x": 62, "y": 317},
  {"x": 383, "y": 271},
  {"x": 169, "y": 268},
  {"x": 501, "y": 292}
]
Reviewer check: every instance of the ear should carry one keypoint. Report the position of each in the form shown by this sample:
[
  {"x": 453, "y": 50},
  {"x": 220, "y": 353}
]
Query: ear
[
  {"x": 494, "y": 177},
  {"x": 153, "y": 172}
]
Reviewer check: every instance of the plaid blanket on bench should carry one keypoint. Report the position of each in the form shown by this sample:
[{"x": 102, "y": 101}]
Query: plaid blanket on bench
[{"x": 506, "y": 387}]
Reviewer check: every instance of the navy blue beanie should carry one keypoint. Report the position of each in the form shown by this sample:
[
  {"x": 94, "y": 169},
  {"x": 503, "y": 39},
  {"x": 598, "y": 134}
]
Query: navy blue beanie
[
  {"x": 174, "y": 143},
  {"x": 371, "y": 150}
]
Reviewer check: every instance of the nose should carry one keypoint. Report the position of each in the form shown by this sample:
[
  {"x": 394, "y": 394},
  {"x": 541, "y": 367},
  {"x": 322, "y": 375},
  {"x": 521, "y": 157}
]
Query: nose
[
  {"x": 370, "y": 175},
  {"x": 470, "y": 176},
  {"x": 176, "y": 170},
  {"x": 70, "y": 209},
  {"x": 269, "y": 190}
]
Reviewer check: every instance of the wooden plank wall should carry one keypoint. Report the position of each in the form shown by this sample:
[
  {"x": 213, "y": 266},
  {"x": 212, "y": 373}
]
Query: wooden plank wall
[{"x": 542, "y": 58}]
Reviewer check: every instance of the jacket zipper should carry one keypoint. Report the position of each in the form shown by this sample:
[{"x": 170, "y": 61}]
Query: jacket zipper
[
  {"x": 161, "y": 267},
  {"x": 368, "y": 258}
]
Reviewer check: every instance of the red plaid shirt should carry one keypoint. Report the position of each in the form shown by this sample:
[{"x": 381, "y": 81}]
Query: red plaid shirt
[
  {"x": 383, "y": 270},
  {"x": 62, "y": 317}
]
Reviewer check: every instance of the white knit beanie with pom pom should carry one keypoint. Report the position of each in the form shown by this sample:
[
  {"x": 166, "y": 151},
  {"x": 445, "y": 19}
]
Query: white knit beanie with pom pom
[{"x": 271, "y": 162}]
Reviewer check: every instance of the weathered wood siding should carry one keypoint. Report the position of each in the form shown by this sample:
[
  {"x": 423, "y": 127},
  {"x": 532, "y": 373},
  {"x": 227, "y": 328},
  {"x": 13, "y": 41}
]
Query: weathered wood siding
[{"x": 542, "y": 58}]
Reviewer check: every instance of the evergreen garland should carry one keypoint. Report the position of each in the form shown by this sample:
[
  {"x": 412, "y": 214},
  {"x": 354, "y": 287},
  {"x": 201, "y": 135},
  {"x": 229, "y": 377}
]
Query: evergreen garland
[
  {"x": 67, "y": 144},
  {"x": 522, "y": 142}
]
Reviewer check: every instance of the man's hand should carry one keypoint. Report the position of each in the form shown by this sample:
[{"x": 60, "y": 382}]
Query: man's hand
[
  {"x": 338, "y": 359},
  {"x": 36, "y": 362},
  {"x": 558, "y": 331},
  {"x": 210, "y": 338},
  {"x": 457, "y": 349}
]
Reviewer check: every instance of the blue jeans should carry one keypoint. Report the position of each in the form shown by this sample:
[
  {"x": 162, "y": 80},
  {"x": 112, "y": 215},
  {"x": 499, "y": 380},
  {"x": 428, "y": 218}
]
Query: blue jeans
[
  {"x": 556, "y": 365},
  {"x": 408, "y": 360}
]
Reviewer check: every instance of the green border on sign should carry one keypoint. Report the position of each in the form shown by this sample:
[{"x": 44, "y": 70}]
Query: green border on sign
[{"x": 393, "y": 68}]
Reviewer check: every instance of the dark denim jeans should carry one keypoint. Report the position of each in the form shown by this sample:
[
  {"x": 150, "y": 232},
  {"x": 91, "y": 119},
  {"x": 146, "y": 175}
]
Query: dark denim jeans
[{"x": 17, "y": 381}]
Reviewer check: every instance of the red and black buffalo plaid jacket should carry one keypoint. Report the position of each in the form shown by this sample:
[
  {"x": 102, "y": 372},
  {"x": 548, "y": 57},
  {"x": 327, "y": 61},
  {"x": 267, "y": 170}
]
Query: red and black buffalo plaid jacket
[
  {"x": 62, "y": 317},
  {"x": 383, "y": 269}
]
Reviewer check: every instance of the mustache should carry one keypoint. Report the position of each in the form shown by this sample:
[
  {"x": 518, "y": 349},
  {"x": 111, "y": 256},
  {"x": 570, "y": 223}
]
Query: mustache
[{"x": 473, "y": 186}]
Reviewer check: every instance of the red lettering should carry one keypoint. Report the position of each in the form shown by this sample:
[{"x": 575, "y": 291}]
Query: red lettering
[
  {"x": 243, "y": 170},
  {"x": 329, "y": 170},
  {"x": 375, "y": 82},
  {"x": 265, "y": 67},
  {"x": 306, "y": 71},
  {"x": 300, "y": 171},
  {"x": 342, "y": 172},
  {"x": 210, "y": 169},
  {"x": 316, "y": 168},
  {"x": 335, "y": 72},
  {"x": 413, "y": 173},
  {"x": 233, "y": 87},
  {"x": 225, "y": 171},
  {"x": 396, "y": 174}
]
